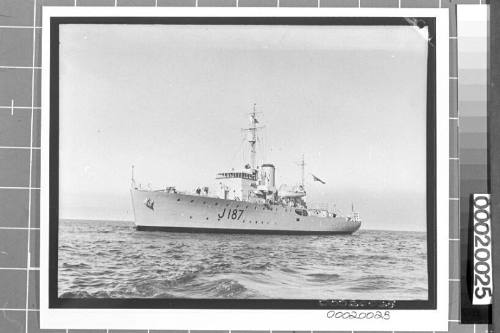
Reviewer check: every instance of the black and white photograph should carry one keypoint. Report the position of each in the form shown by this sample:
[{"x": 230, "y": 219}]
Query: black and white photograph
[
  {"x": 243, "y": 162},
  {"x": 204, "y": 162}
]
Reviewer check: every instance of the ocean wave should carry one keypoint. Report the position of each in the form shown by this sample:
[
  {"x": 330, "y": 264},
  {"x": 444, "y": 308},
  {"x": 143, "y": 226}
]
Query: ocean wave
[
  {"x": 258, "y": 266},
  {"x": 219, "y": 267},
  {"x": 79, "y": 265},
  {"x": 130, "y": 264},
  {"x": 165, "y": 295},
  {"x": 378, "y": 257},
  {"x": 75, "y": 294},
  {"x": 182, "y": 278},
  {"x": 373, "y": 282},
  {"x": 84, "y": 294},
  {"x": 288, "y": 270},
  {"x": 323, "y": 277},
  {"x": 227, "y": 288}
]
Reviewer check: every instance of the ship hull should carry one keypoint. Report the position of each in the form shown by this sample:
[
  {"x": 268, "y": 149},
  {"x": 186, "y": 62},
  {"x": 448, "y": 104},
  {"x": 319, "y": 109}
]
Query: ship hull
[
  {"x": 240, "y": 231},
  {"x": 176, "y": 212}
]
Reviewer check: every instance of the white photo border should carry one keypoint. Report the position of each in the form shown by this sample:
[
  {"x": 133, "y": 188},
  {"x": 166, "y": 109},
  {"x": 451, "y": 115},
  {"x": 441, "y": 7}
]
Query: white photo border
[{"x": 223, "y": 319}]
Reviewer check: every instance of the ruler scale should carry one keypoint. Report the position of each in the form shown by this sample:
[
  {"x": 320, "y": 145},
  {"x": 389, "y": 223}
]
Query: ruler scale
[{"x": 472, "y": 44}]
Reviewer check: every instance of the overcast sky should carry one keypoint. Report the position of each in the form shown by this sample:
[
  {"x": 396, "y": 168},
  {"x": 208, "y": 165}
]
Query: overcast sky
[{"x": 172, "y": 100}]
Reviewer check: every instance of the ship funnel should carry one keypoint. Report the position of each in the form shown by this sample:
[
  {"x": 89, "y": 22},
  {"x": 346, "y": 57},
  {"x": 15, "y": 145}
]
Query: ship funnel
[{"x": 268, "y": 175}]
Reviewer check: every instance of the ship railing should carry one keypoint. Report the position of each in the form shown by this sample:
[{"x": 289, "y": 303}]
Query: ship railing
[
  {"x": 318, "y": 212},
  {"x": 203, "y": 195},
  {"x": 168, "y": 189},
  {"x": 322, "y": 206}
]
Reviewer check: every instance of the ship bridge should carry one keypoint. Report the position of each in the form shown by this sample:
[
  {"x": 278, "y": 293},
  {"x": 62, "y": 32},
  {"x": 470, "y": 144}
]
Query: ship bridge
[
  {"x": 244, "y": 174},
  {"x": 237, "y": 184}
]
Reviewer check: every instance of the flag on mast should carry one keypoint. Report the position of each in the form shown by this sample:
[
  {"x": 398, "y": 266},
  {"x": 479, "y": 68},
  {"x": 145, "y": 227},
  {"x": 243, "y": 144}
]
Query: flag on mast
[{"x": 316, "y": 179}]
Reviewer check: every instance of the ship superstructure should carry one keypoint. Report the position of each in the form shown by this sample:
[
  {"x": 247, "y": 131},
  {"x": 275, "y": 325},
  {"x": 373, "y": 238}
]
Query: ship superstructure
[{"x": 245, "y": 201}]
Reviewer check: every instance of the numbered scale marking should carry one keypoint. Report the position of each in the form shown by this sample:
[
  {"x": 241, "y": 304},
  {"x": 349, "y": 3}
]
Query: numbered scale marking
[{"x": 482, "y": 280}]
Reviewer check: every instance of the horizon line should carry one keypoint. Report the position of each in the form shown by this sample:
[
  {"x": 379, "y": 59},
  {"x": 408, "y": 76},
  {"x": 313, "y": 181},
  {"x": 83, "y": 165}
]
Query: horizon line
[{"x": 132, "y": 221}]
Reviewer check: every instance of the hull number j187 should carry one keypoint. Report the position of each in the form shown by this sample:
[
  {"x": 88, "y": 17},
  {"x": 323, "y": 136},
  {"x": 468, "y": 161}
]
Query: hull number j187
[{"x": 234, "y": 214}]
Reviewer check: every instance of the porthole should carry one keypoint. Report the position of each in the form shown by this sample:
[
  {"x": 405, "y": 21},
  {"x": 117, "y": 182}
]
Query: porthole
[
  {"x": 190, "y": 217},
  {"x": 298, "y": 219},
  {"x": 207, "y": 218},
  {"x": 216, "y": 203},
  {"x": 179, "y": 199}
]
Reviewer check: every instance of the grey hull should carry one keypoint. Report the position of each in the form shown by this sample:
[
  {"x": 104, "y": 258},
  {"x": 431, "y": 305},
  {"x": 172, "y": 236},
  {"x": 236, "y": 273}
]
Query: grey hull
[{"x": 176, "y": 212}]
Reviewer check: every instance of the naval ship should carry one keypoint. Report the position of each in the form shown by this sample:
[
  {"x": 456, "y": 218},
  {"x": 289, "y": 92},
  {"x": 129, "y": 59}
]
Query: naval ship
[{"x": 246, "y": 201}]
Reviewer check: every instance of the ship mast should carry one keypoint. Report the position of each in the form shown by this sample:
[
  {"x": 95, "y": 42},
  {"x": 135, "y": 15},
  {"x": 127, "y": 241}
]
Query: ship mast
[
  {"x": 132, "y": 179},
  {"x": 253, "y": 135}
]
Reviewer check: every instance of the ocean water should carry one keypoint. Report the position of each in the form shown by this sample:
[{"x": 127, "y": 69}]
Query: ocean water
[{"x": 112, "y": 259}]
